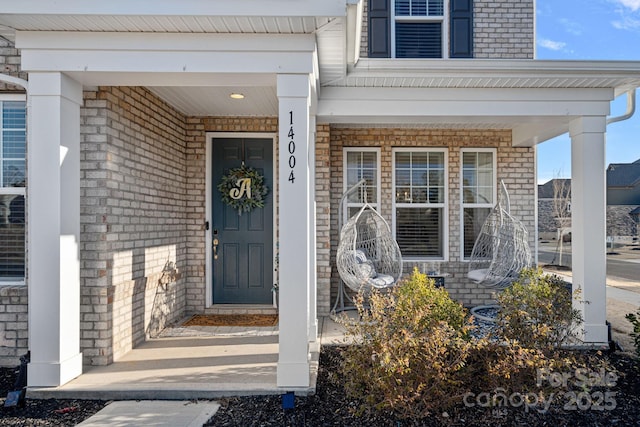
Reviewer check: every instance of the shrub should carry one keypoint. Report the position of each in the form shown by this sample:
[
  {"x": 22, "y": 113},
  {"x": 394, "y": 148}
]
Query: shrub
[
  {"x": 635, "y": 321},
  {"x": 413, "y": 352},
  {"x": 408, "y": 348},
  {"x": 537, "y": 312}
]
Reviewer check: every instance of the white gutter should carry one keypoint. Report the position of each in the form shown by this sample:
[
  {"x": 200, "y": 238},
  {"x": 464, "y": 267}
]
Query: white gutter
[{"x": 631, "y": 108}]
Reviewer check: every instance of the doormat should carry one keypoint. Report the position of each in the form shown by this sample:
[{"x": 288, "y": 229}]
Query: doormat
[{"x": 232, "y": 320}]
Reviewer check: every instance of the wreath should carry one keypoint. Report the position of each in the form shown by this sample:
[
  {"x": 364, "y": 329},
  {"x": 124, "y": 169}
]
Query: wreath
[{"x": 243, "y": 189}]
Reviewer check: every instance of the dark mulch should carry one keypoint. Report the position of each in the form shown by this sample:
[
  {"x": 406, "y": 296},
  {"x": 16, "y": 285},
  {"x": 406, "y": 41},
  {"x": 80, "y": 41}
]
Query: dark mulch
[
  {"x": 330, "y": 407},
  {"x": 49, "y": 412}
]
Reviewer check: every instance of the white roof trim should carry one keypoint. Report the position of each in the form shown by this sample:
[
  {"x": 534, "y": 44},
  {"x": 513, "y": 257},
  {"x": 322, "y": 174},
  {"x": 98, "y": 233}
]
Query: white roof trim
[
  {"x": 189, "y": 8},
  {"x": 492, "y": 73}
]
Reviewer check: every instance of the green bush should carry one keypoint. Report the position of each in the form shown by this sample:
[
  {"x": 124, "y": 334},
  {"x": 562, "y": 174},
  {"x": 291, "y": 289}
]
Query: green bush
[
  {"x": 635, "y": 321},
  {"x": 537, "y": 312},
  {"x": 408, "y": 349}
]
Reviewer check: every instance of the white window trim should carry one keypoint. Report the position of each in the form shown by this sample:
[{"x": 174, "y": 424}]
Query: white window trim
[
  {"x": 476, "y": 205},
  {"x": 444, "y": 205},
  {"x": 21, "y": 191},
  {"x": 444, "y": 19},
  {"x": 345, "y": 186}
]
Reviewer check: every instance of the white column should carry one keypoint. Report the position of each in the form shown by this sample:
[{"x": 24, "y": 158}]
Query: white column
[
  {"x": 293, "y": 210},
  {"x": 588, "y": 223},
  {"x": 54, "y": 229},
  {"x": 313, "y": 276}
]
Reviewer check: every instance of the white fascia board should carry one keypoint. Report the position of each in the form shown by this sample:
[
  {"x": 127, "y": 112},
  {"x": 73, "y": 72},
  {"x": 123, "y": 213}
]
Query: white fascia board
[
  {"x": 167, "y": 62},
  {"x": 497, "y": 67},
  {"x": 325, "y": 8},
  {"x": 98, "y": 41},
  {"x": 404, "y": 102},
  {"x": 166, "y": 53}
]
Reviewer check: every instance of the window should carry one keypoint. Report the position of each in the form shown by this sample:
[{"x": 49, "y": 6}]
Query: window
[
  {"x": 420, "y": 188},
  {"x": 418, "y": 28},
  {"x": 361, "y": 163},
  {"x": 12, "y": 188},
  {"x": 478, "y": 193}
]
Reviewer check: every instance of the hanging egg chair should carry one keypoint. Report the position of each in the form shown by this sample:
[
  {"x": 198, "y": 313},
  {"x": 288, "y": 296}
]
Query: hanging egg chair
[
  {"x": 501, "y": 250},
  {"x": 368, "y": 256}
]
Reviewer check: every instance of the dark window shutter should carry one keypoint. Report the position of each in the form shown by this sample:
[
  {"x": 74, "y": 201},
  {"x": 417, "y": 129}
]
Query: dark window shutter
[
  {"x": 461, "y": 29},
  {"x": 379, "y": 29}
]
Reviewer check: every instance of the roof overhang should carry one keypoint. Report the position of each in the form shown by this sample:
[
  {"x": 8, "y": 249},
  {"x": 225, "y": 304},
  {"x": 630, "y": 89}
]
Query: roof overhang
[
  {"x": 537, "y": 100},
  {"x": 336, "y": 24}
]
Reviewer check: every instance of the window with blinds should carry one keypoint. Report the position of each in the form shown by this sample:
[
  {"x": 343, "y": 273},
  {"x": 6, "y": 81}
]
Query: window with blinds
[
  {"x": 419, "y": 28},
  {"x": 420, "y": 188},
  {"x": 478, "y": 193},
  {"x": 12, "y": 189},
  {"x": 361, "y": 163}
]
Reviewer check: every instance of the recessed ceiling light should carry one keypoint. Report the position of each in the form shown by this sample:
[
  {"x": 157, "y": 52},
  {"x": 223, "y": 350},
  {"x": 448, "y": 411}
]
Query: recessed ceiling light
[{"x": 236, "y": 96}]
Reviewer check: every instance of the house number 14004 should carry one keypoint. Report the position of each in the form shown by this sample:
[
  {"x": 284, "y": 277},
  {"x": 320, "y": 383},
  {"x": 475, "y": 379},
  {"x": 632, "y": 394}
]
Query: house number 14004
[{"x": 292, "y": 149}]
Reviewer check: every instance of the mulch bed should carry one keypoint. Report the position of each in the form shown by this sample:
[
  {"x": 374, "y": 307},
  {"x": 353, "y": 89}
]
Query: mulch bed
[
  {"x": 258, "y": 320},
  {"x": 330, "y": 407}
]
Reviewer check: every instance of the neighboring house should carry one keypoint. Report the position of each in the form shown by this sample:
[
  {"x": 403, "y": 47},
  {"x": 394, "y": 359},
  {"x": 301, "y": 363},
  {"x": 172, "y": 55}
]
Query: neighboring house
[
  {"x": 623, "y": 200},
  {"x": 550, "y": 195},
  {"x": 132, "y": 127},
  {"x": 623, "y": 183}
]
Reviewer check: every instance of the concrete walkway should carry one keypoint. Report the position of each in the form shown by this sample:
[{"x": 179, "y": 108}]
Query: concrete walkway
[
  {"x": 183, "y": 365},
  {"x": 153, "y": 413}
]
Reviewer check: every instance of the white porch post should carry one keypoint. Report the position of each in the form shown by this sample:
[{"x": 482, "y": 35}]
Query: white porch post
[
  {"x": 313, "y": 277},
  {"x": 293, "y": 122},
  {"x": 54, "y": 229},
  {"x": 588, "y": 223}
]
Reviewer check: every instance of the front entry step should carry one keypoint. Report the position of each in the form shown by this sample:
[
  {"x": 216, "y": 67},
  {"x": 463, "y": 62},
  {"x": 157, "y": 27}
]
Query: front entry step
[{"x": 241, "y": 309}]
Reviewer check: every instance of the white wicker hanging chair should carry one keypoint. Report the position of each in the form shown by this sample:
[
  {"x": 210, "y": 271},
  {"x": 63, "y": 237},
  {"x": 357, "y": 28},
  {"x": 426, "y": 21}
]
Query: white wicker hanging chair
[
  {"x": 368, "y": 256},
  {"x": 501, "y": 250}
]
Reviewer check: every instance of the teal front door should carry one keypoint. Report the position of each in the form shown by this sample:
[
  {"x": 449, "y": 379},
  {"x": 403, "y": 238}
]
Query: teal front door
[{"x": 242, "y": 244}]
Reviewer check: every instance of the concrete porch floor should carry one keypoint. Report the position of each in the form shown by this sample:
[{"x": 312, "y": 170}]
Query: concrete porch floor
[{"x": 193, "y": 363}]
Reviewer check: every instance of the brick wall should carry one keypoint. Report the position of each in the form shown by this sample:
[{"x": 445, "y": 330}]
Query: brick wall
[
  {"x": 133, "y": 216},
  {"x": 502, "y": 29},
  {"x": 14, "y": 333},
  {"x": 515, "y": 167},
  {"x": 10, "y": 65},
  {"x": 620, "y": 223}
]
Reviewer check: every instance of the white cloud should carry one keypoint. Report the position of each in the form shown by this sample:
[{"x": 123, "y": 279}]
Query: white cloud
[
  {"x": 571, "y": 27},
  {"x": 631, "y": 4},
  {"x": 626, "y": 23},
  {"x": 552, "y": 45}
]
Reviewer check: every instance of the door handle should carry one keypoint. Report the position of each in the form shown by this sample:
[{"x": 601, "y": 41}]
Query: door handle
[{"x": 215, "y": 248}]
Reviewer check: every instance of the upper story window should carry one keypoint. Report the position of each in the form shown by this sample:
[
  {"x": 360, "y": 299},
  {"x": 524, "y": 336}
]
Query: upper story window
[
  {"x": 12, "y": 187},
  {"x": 420, "y": 205},
  {"x": 420, "y": 28},
  {"x": 361, "y": 163}
]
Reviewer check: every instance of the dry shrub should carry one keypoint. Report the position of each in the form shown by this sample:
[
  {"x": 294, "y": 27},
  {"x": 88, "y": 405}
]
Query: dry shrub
[
  {"x": 409, "y": 347},
  {"x": 414, "y": 353}
]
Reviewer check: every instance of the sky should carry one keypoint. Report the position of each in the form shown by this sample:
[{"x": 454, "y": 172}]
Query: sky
[{"x": 590, "y": 30}]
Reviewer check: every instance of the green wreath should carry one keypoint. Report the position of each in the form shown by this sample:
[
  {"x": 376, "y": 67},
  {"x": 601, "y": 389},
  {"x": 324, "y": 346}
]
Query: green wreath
[{"x": 243, "y": 189}]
